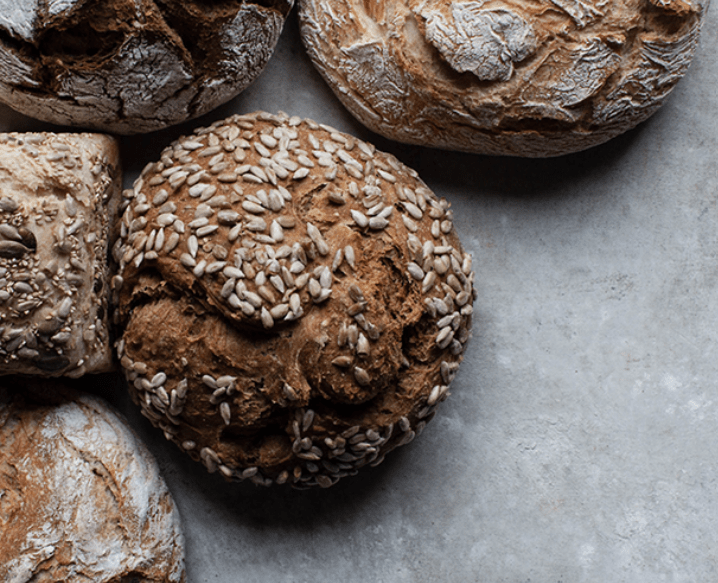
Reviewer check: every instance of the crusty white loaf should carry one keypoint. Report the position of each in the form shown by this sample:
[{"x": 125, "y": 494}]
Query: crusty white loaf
[
  {"x": 57, "y": 195},
  {"x": 524, "y": 78},
  {"x": 81, "y": 499},
  {"x": 131, "y": 66}
]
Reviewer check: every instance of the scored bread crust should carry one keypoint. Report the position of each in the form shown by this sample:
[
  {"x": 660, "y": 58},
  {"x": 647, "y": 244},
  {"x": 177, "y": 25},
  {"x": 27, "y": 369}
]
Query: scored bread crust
[
  {"x": 81, "y": 498},
  {"x": 502, "y": 77},
  {"x": 132, "y": 66},
  {"x": 59, "y": 196},
  {"x": 293, "y": 304}
]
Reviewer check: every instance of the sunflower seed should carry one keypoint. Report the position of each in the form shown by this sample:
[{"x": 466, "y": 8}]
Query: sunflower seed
[
  {"x": 361, "y": 376},
  {"x": 342, "y": 361},
  {"x": 225, "y": 412},
  {"x": 359, "y": 218},
  {"x": 356, "y": 293},
  {"x": 266, "y": 317},
  {"x": 307, "y": 420},
  {"x": 444, "y": 338},
  {"x": 415, "y": 271},
  {"x": 428, "y": 282},
  {"x": 206, "y": 230},
  {"x": 289, "y": 392}
]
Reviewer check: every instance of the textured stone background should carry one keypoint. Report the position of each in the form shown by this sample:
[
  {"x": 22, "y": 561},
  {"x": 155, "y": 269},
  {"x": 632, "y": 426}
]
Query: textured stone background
[{"x": 580, "y": 443}]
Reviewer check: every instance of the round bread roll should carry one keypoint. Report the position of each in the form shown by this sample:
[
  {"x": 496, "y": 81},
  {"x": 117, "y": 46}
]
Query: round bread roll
[
  {"x": 81, "y": 499},
  {"x": 293, "y": 303},
  {"x": 502, "y": 77},
  {"x": 130, "y": 66}
]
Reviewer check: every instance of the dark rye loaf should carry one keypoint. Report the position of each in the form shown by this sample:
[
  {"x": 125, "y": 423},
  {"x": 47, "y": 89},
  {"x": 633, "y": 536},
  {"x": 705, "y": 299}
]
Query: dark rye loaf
[
  {"x": 294, "y": 303},
  {"x": 130, "y": 66}
]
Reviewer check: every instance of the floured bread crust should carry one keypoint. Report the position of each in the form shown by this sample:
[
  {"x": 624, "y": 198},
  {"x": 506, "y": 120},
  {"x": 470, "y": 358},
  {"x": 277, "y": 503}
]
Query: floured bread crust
[
  {"x": 130, "y": 66},
  {"x": 293, "y": 303},
  {"x": 81, "y": 499},
  {"x": 59, "y": 194},
  {"x": 524, "y": 78}
]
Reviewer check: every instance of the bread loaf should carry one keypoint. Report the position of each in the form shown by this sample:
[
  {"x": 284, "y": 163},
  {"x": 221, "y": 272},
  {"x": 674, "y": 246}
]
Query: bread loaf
[
  {"x": 59, "y": 194},
  {"x": 130, "y": 66},
  {"x": 502, "y": 77},
  {"x": 81, "y": 499},
  {"x": 293, "y": 304}
]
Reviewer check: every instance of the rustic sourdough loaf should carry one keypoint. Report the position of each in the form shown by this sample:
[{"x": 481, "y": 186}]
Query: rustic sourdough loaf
[
  {"x": 523, "y": 78},
  {"x": 131, "y": 66},
  {"x": 294, "y": 304},
  {"x": 59, "y": 196},
  {"x": 81, "y": 499}
]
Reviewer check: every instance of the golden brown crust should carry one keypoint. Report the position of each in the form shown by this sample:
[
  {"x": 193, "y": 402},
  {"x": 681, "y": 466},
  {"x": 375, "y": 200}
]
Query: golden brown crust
[
  {"x": 530, "y": 78},
  {"x": 81, "y": 499},
  {"x": 310, "y": 288}
]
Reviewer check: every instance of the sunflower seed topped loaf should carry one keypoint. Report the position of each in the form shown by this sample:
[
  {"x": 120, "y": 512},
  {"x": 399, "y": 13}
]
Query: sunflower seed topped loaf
[
  {"x": 81, "y": 498},
  {"x": 293, "y": 304},
  {"x": 504, "y": 77},
  {"x": 130, "y": 66},
  {"x": 58, "y": 194}
]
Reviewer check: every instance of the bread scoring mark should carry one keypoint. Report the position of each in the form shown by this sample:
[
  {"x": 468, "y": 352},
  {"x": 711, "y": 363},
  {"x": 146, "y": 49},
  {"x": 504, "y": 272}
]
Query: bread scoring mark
[
  {"x": 486, "y": 42},
  {"x": 264, "y": 257},
  {"x": 370, "y": 70},
  {"x": 583, "y": 12},
  {"x": 245, "y": 57},
  {"x": 19, "y": 18},
  {"x": 586, "y": 69},
  {"x": 55, "y": 7},
  {"x": 663, "y": 63}
]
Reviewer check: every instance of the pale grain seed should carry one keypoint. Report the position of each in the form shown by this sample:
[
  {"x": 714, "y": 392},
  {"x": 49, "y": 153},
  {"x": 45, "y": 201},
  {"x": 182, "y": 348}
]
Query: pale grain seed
[
  {"x": 362, "y": 376},
  {"x": 359, "y": 218},
  {"x": 225, "y": 412},
  {"x": 342, "y": 361},
  {"x": 172, "y": 242},
  {"x": 253, "y": 299},
  {"x": 289, "y": 392},
  {"x": 206, "y": 230},
  {"x": 187, "y": 260},
  {"x": 199, "y": 269},
  {"x": 444, "y": 338}
]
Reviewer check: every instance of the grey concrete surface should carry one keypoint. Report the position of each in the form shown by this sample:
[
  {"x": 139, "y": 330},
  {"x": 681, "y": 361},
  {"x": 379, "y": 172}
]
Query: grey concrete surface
[{"x": 580, "y": 442}]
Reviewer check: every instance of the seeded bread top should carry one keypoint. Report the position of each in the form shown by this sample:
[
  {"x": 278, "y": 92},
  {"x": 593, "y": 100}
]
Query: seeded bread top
[
  {"x": 511, "y": 77},
  {"x": 308, "y": 285},
  {"x": 58, "y": 194}
]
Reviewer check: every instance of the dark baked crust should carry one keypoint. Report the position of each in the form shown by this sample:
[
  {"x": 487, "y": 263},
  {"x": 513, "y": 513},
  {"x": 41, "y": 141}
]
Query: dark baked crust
[
  {"x": 304, "y": 366},
  {"x": 130, "y": 66}
]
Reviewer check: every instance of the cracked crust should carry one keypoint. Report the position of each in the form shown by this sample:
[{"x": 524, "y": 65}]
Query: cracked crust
[
  {"x": 81, "y": 499},
  {"x": 504, "y": 77},
  {"x": 131, "y": 66},
  {"x": 293, "y": 304}
]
